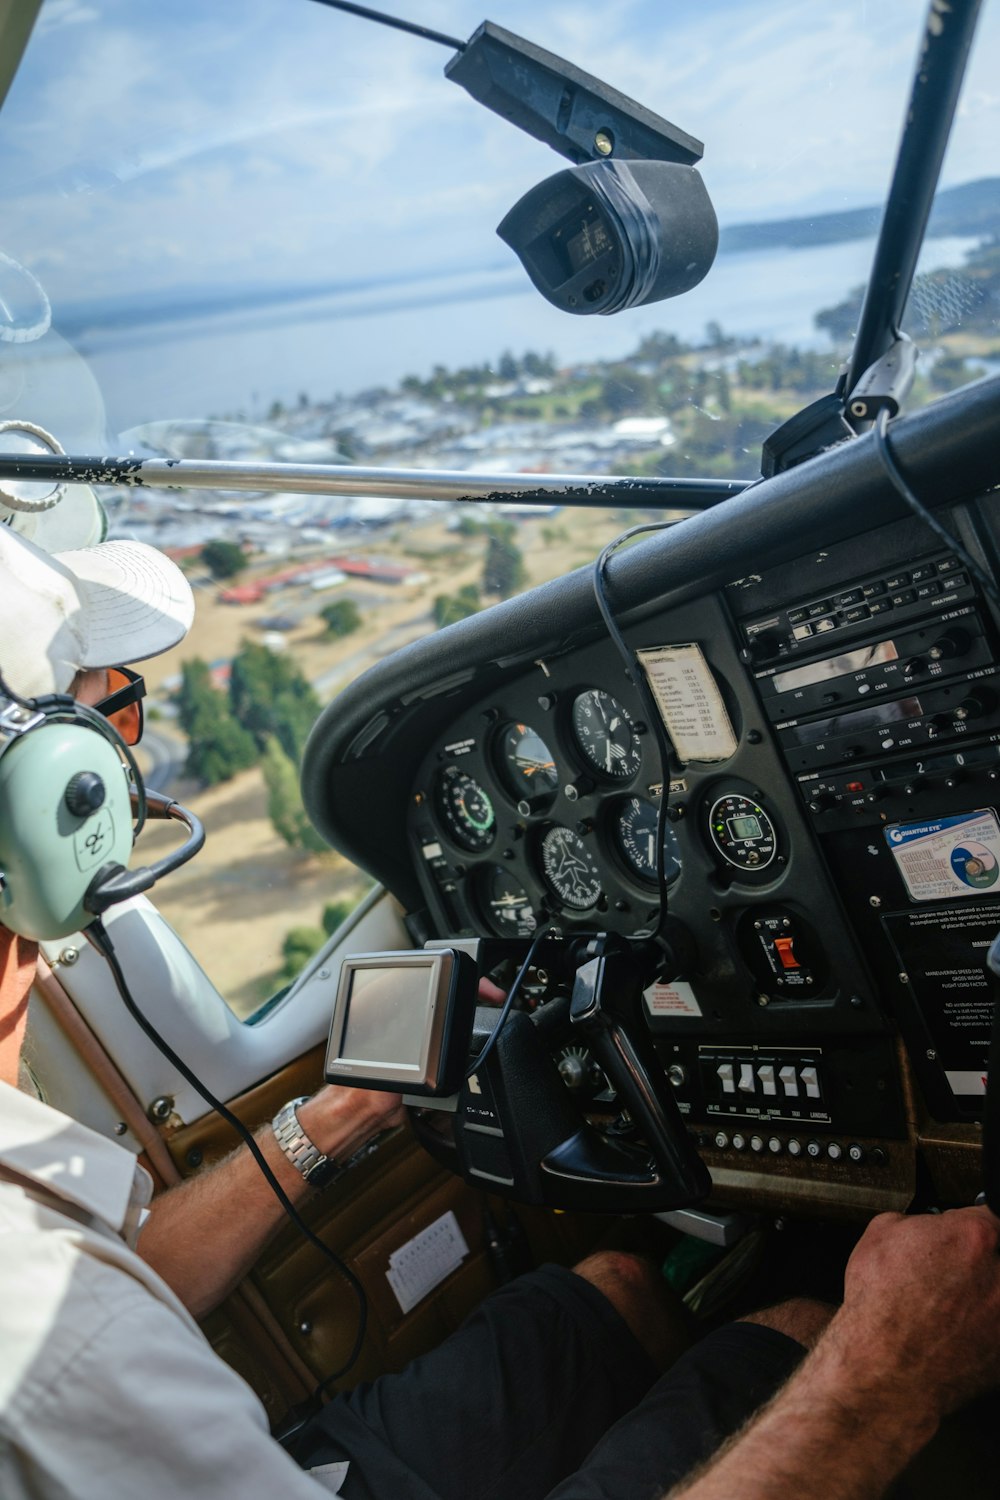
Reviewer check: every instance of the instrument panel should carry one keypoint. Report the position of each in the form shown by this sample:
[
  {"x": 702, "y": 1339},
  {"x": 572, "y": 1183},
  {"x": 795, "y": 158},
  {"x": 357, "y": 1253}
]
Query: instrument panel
[
  {"x": 833, "y": 843},
  {"x": 543, "y": 806}
]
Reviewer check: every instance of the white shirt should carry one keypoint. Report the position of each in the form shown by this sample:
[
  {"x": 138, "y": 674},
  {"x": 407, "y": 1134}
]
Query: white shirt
[{"x": 108, "y": 1389}]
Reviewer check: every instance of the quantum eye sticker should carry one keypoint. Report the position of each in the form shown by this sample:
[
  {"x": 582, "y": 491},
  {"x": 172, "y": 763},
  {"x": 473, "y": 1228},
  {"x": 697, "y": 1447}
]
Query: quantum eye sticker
[{"x": 944, "y": 859}]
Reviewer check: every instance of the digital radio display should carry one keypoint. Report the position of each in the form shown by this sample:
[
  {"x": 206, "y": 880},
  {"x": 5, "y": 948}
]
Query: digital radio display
[
  {"x": 835, "y": 666},
  {"x": 818, "y": 730}
]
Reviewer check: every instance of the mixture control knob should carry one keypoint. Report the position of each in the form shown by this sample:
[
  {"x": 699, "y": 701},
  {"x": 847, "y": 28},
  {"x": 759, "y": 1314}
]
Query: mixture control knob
[
  {"x": 85, "y": 793},
  {"x": 952, "y": 643}
]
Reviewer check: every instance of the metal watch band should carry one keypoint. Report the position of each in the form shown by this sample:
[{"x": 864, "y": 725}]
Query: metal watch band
[{"x": 317, "y": 1169}]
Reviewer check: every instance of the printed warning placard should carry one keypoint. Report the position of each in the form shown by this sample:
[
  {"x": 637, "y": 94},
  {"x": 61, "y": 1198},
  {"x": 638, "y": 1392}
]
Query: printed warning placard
[
  {"x": 675, "y": 999},
  {"x": 689, "y": 701},
  {"x": 943, "y": 859}
]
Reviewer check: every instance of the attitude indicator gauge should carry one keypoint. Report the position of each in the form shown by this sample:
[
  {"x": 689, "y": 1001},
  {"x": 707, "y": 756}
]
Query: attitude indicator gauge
[
  {"x": 465, "y": 809},
  {"x": 635, "y": 833},
  {"x": 569, "y": 869},
  {"x": 527, "y": 764},
  {"x": 505, "y": 903},
  {"x": 742, "y": 832},
  {"x": 606, "y": 735}
]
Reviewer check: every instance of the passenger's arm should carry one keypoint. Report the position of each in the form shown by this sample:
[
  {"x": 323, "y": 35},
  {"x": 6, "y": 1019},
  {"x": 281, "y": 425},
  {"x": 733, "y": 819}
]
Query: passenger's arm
[
  {"x": 918, "y": 1334},
  {"x": 203, "y": 1236}
]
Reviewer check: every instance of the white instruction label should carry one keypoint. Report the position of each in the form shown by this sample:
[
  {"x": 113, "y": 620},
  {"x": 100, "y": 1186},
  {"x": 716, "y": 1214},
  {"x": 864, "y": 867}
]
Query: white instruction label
[
  {"x": 676, "y": 999},
  {"x": 945, "y": 858},
  {"x": 689, "y": 701},
  {"x": 420, "y": 1265}
]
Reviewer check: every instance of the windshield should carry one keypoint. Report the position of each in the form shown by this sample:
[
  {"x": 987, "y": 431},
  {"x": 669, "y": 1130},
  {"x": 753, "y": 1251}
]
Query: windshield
[{"x": 267, "y": 230}]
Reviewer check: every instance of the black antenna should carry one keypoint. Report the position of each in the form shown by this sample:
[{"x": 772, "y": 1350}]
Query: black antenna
[{"x": 383, "y": 20}]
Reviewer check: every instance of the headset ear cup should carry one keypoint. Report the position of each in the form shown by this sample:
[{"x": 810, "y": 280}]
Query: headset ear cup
[{"x": 65, "y": 812}]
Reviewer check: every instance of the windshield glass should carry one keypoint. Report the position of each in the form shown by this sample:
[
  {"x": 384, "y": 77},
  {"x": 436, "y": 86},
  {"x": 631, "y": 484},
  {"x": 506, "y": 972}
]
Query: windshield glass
[{"x": 267, "y": 230}]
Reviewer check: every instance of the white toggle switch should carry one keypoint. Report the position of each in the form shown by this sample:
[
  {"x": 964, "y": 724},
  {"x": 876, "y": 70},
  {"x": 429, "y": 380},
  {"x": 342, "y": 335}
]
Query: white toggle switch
[
  {"x": 810, "y": 1082},
  {"x": 746, "y": 1084},
  {"x": 766, "y": 1075},
  {"x": 789, "y": 1082},
  {"x": 725, "y": 1072}
]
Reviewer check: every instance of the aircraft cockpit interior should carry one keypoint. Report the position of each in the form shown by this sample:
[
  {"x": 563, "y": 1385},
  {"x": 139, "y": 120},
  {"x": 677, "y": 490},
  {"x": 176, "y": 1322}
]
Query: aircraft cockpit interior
[{"x": 598, "y": 748}]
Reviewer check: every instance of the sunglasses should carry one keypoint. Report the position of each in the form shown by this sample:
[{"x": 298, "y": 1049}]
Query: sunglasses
[{"x": 123, "y": 705}]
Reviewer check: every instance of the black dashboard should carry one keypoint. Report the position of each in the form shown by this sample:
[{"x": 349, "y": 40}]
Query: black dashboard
[{"x": 828, "y": 670}]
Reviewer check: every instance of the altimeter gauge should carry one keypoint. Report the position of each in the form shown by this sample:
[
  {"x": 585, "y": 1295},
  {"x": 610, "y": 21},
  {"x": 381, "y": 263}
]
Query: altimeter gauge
[
  {"x": 606, "y": 735},
  {"x": 465, "y": 809},
  {"x": 569, "y": 869}
]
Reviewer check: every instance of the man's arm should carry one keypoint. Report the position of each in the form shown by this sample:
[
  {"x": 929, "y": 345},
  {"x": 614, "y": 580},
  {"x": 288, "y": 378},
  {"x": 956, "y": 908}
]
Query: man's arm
[
  {"x": 918, "y": 1334},
  {"x": 203, "y": 1236}
]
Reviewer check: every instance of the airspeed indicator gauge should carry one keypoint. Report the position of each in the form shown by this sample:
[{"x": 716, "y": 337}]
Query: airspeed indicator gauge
[
  {"x": 606, "y": 735},
  {"x": 569, "y": 869},
  {"x": 742, "y": 832},
  {"x": 464, "y": 809}
]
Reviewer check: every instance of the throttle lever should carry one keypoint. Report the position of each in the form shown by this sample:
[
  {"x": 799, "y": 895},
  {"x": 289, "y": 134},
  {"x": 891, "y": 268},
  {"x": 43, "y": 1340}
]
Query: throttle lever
[{"x": 606, "y": 1006}]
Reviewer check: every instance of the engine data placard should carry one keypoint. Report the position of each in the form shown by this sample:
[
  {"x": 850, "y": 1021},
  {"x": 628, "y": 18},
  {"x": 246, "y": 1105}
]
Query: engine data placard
[
  {"x": 689, "y": 701},
  {"x": 944, "y": 859}
]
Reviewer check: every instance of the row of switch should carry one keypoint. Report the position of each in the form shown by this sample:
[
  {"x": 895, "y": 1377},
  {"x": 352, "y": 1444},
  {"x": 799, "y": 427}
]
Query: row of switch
[
  {"x": 747, "y": 1078},
  {"x": 774, "y": 1145}
]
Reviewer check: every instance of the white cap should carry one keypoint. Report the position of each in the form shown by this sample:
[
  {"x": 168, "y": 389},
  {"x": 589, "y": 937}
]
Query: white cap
[{"x": 97, "y": 606}]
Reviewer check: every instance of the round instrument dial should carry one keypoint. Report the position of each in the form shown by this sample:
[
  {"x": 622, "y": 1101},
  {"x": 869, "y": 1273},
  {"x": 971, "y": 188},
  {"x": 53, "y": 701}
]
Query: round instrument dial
[
  {"x": 465, "y": 809},
  {"x": 635, "y": 837},
  {"x": 569, "y": 868},
  {"x": 505, "y": 903},
  {"x": 742, "y": 832},
  {"x": 527, "y": 764},
  {"x": 606, "y": 736}
]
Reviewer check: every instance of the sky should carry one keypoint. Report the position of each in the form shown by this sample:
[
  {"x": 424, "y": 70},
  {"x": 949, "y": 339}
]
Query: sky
[{"x": 152, "y": 154}]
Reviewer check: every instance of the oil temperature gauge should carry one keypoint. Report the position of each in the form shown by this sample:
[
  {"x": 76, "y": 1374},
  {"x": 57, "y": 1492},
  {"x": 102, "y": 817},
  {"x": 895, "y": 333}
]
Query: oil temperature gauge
[{"x": 742, "y": 832}]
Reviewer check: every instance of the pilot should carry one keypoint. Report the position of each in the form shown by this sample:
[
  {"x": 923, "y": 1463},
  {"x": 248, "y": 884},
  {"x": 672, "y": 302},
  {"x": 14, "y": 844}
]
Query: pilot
[{"x": 552, "y": 1388}]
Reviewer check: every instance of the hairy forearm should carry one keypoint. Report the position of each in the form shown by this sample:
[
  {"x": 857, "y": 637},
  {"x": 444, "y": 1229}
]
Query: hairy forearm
[
  {"x": 203, "y": 1236},
  {"x": 834, "y": 1431}
]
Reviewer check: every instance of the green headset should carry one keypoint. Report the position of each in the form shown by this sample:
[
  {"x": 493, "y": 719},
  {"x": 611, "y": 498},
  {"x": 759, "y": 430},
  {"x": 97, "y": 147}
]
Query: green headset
[{"x": 69, "y": 791}]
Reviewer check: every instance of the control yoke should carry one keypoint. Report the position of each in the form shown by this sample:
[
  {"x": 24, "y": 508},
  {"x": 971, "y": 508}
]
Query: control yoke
[{"x": 518, "y": 1131}]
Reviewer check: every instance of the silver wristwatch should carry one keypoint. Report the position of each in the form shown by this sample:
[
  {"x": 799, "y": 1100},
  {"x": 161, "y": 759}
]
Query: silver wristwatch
[{"x": 317, "y": 1169}]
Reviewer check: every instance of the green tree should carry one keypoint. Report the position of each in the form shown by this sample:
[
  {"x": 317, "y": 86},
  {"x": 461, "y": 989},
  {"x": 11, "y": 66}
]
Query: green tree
[
  {"x": 218, "y": 746},
  {"x": 270, "y": 696},
  {"x": 223, "y": 559},
  {"x": 341, "y": 617},
  {"x": 448, "y": 608},
  {"x": 503, "y": 569},
  {"x": 335, "y": 913},
  {"x": 297, "y": 948},
  {"x": 284, "y": 800}
]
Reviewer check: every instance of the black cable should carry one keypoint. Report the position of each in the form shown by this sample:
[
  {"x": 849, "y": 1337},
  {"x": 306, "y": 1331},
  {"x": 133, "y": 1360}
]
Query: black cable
[
  {"x": 101, "y": 940},
  {"x": 383, "y": 20},
  {"x": 637, "y": 677},
  {"x": 491, "y": 1040},
  {"x": 887, "y": 458}
]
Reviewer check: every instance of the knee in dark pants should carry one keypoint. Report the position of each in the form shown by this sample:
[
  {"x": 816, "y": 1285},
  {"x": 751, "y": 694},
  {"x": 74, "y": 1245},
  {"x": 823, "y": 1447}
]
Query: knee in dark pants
[
  {"x": 636, "y": 1290},
  {"x": 801, "y": 1318}
]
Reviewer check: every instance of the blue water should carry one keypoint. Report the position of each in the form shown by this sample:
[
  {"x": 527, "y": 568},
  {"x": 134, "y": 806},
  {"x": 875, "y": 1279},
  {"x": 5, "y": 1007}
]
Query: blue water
[{"x": 240, "y": 363}]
